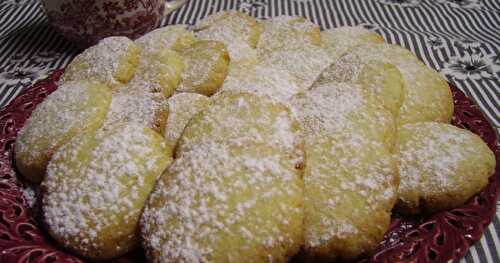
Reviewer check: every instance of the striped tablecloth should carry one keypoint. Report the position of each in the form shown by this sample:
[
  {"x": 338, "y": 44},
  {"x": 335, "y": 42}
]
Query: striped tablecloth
[{"x": 459, "y": 38}]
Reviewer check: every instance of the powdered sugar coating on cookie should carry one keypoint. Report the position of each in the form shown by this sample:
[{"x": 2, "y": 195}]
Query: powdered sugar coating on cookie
[
  {"x": 427, "y": 95},
  {"x": 382, "y": 80},
  {"x": 174, "y": 37},
  {"x": 237, "y": 30},
  {"x": 112, "y": 61},
  {"x": 238, "y": 116},
  {"x": 441, "y": 166},
  {"x": 206, "y": 66},
  {"x": 181, "y": 108},
  {"x": 337, "y": 108},
  {"x": 74, "y": 107},
  {"x": 96, "y": 187},
  {"x": 136, "y": 105},
  {"x": 225, "y": 201},
  {"x": 288, "y": 32},
  {"x": 338, "y": 41},
  {"x": 261, "y": 79},
  {"x": 158, "y": 71},
  {"x": 350, "y": 188},
  {"x": 305, "y": 63}
]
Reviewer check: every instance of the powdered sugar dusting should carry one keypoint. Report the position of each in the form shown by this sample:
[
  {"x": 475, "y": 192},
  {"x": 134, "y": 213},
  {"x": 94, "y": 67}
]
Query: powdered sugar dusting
[
  {"x": 30, "y": 193},
  {"x": 175, "y": 37},
  {"x": 382, "y": 80},
  {"x": 335, "y": 228},
  {"x": 350, "y": 183},
  {"x": 328, "y": 108},
  {"x": 240, "y": 116},
  {"x": 238, "y": 31},
  {"x": 217, "y": 193},
  {"x": 432, "y": 155},
  {"x": 181, "y": 108},
  {"x": 100, "y": 62},
  {"x": 238, "y": 49},
  {"x": 338, "y": 41},
  {"x": 261, "y": 79},
  {"x": 136, "y": 105},
  {"x": 62, "y": 112},
  {"x": 206, "y": 64},
  {"x": 158, "y": 71},
  {"x": 402, "y": 58},
  {"x": 288, "y": 32},
  {"x": 346, "y": 69},
  {"x": 306, "y": 63},
  {"x": 98, "y": 182},
  {"x": 427, "y": 95}
]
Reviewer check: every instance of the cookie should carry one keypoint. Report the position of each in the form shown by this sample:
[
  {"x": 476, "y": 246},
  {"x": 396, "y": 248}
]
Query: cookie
[
  {"x": 96, "y": 187},
  {"x": 206, "y": 66},
  {"x": 350, "y": 187},
  {"x": 75, "y": 107},
  {"x": 427, "y": 96},
  {"x": 382, "y": 80},
  {"x": 159, "y": 71},
  {"x": 338, "y": 41},
  {"x": 288, "y": 32},
  {"x": 235, "y": 116},
  {"x": 173, "y": 37},
  {"x": 238, "y": 31},
  {"x": 223, "y": 202},
  {"x": 441, "y": 166},
  {"x": 112, "y": 61}
]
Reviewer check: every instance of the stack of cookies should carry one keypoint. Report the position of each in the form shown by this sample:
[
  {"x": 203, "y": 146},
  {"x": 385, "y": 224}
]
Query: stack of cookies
[{"x": 244, "y": 140}]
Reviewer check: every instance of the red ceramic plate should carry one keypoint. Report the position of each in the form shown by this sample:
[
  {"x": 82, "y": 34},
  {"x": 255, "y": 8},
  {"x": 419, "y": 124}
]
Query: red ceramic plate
[{"x": 441, "y": 237}]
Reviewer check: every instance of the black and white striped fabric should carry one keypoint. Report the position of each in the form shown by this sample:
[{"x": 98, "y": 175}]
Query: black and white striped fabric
[{"x": 459, "y": 38}]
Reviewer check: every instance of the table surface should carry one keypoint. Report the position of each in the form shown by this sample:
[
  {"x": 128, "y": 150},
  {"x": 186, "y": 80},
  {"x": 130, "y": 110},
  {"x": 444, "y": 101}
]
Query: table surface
[{"x": 458, "y": 38}]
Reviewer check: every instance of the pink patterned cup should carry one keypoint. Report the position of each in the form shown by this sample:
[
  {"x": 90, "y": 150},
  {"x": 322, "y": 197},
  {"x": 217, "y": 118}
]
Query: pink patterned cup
[{"x": 85, "y": 22}]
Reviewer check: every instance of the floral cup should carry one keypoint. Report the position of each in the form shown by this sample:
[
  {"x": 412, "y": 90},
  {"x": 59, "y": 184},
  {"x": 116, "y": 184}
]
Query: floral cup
[{"x": 85, "y": 22}]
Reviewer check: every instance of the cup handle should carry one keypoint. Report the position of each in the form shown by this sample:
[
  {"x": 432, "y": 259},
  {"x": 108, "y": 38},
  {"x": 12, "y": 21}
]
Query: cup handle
[{"x": 172, "y": 5}]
